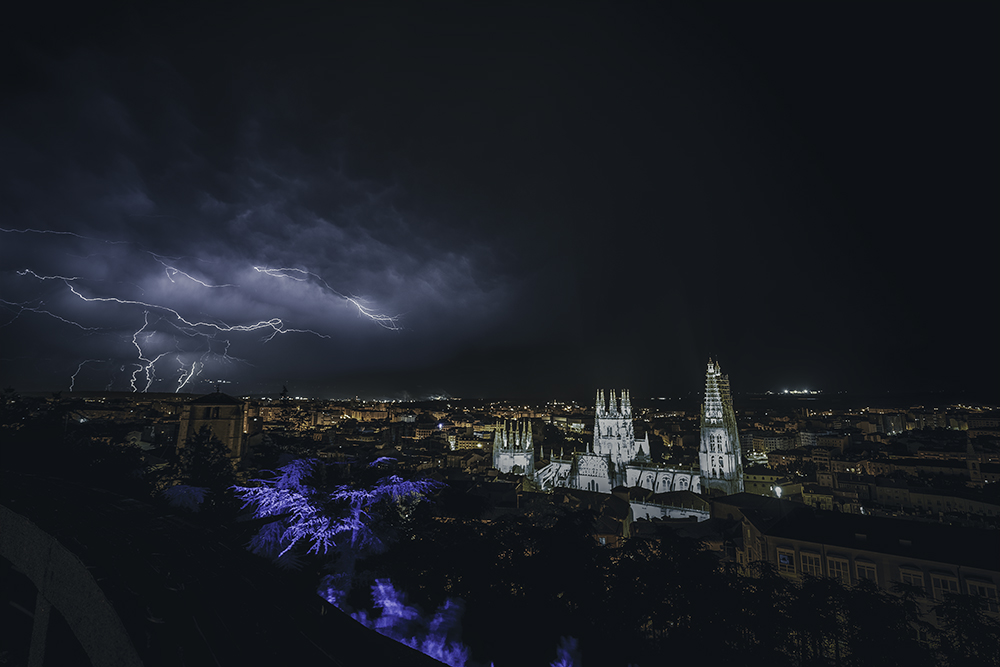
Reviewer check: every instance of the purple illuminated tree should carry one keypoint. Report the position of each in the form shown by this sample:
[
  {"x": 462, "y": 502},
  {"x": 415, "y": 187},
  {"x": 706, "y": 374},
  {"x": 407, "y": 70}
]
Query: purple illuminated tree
[
  {"x": 436, "y": 635},
  {"x": 345, "y": 521}
]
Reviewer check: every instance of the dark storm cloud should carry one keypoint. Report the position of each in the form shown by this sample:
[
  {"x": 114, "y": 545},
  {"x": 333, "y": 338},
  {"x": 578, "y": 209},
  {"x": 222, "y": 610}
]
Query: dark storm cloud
[
  {"x": 114, "y": 158},
  {"x": 551, "y": 197}
]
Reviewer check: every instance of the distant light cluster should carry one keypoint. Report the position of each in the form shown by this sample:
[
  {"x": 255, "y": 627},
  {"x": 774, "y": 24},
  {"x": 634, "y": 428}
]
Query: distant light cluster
[{"x": 796, "y": 392}]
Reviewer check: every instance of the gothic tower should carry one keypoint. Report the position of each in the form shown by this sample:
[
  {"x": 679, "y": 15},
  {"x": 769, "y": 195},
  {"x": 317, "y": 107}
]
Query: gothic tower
[
  {"x": 719, "y": 455},
  {"x": 614, "y": 434},
  {"x": 513, "y": 451}
]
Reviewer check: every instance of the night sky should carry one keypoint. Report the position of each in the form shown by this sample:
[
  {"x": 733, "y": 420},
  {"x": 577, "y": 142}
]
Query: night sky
[{"x": 488, "y": 199}]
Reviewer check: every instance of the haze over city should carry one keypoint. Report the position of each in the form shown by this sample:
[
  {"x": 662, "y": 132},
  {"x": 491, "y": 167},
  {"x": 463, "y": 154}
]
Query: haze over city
[{"x": 517, "y": 200}]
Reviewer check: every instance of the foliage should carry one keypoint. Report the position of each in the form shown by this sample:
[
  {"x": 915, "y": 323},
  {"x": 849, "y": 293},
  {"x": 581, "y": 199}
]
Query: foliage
[
  {"x": 966, "y": 636},
  {"x": 43, "y": 436},
  {"x": 436, "y": 635},
  {"x": 535, "y": 578},
  {"x": 204, "y": 460},
  {"x": 567, "y": 654},
  {"x": 183, "y": 496},
  {"x": 538, "y": 576},
  {"x": 346, "y": 518}
]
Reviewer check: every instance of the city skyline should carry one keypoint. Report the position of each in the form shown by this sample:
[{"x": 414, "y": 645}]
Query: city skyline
[{"x": 492, "y": 201}]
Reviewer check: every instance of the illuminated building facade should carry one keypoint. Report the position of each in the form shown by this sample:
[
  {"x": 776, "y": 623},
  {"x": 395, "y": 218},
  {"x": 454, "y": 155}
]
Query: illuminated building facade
[
  {"x": 618, "y": 459},
  {"x": 513, "y": 451},
  {"x": 719, "y": 455},
  {"x": 614, "y": 435},
  {"x": 607, "y": 463}
]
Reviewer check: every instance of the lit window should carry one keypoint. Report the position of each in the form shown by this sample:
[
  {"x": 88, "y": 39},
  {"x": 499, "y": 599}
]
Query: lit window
[{"x": 786, "y": 561}]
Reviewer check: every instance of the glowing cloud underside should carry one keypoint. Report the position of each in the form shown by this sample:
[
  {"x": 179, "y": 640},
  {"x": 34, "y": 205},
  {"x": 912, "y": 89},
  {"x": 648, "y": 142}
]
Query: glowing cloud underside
[
  {"x": 299, "y": 275},
  {"x": 167, "y": 341}
]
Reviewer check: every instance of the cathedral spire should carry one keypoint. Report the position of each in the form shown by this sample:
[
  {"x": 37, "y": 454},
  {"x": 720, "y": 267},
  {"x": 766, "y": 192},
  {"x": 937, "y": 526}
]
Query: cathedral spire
[{"x": 720, "y": 457}]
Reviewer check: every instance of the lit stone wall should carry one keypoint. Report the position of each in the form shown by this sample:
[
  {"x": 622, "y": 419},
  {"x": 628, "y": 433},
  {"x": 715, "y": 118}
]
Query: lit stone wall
[
  {"x": 653, "y": 511},
  {"x": 593, "y": 473},
  {"x": 556, "y": 474}
]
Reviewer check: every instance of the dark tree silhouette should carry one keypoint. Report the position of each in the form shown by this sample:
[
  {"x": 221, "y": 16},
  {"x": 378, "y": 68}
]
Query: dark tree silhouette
[
  {"x": 203, "y": 462},
  {"x": 966, "y": 636}
]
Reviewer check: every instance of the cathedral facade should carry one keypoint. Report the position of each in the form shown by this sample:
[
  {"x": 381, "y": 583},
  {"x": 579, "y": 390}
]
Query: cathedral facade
[{"x": 617, "y": 458}]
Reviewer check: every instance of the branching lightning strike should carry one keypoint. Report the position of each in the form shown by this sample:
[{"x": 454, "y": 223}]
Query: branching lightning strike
[
  {"x": 24, "y": 307},
  {"x": 390, "y": 322},
  {"x": 146, "y": 362},
  {"x": 172, "y": 271}
]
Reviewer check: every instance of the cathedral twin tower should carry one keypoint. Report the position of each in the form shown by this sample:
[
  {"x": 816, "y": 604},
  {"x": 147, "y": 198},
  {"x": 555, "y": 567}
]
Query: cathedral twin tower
[{"x": 618, "y": 459}]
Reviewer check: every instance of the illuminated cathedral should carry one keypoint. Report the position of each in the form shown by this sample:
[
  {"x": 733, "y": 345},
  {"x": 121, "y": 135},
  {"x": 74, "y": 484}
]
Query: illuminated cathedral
[
  {"x": 617, "y": 458},
  {"x": 513, "y": 451},
  {"x": 719, "y": 455}
]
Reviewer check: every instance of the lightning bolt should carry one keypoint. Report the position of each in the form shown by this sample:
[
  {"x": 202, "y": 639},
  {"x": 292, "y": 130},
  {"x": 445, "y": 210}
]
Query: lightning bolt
[
  {"x": 149, "y": 364},
  {"x": 186, "y": 375},
  {"x": 210, "y": 330},
  {"x": 65, "y": 279},
  {"x": 72, "y": 378},
  {"x": 60, "y": 233},
  {"x": 390, "y": 322},
  {"x": 275, "y": 323},
  {"x": 24, "y": 307},
  {"x": 172, "y": 271}
]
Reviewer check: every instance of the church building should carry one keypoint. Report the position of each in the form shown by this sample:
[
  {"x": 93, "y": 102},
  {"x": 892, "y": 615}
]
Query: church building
[
  {"x": 617, "y": 458},
  {"x": 228, "y": 418}
]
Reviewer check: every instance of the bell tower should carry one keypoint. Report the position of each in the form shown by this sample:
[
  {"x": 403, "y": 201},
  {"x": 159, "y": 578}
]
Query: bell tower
[{"x": 719, "y": 455}]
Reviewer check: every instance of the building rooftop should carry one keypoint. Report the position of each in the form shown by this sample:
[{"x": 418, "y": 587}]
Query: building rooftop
[{"x": 939, "y": 542}]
